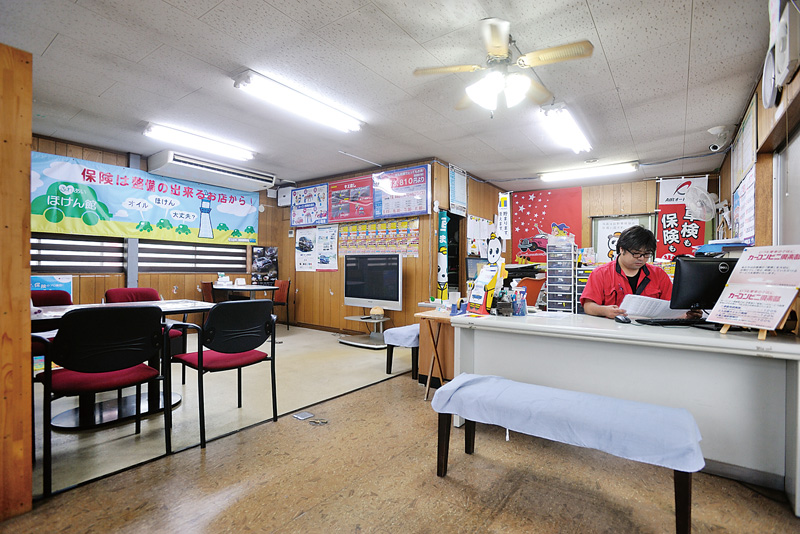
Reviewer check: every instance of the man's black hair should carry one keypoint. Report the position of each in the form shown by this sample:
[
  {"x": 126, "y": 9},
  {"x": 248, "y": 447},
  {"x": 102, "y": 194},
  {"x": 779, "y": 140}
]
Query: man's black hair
[{"x": 638, "y": 239}]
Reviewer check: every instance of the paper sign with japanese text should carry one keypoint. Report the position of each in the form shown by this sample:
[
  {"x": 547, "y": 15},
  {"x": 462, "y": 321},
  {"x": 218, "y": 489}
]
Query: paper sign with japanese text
[
  {"x": 678, "y": 232},
  {"x": 309, "y": 205},
  {"x": 351, "y": 199},
  {"x": 402, "y": 192}
]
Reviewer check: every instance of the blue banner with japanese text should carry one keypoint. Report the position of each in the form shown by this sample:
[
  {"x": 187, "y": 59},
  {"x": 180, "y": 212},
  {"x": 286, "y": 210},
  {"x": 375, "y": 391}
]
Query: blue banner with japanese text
[{"x": 73, "y": 196}]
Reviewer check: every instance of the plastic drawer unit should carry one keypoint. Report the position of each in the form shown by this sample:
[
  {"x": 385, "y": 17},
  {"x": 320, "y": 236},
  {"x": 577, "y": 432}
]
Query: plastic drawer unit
[{"x": 561, "y": 264}]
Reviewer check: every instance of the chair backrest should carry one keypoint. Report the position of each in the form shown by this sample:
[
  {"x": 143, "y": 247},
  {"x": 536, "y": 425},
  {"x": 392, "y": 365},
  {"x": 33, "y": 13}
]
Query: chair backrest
[
  {"x": 208, "y": 291},
  {"x": 533, "y": 286},
  {"x": 238, "y": 325},
  {"x": 282, "y": 293},
  {"x": 132, "y": 294},
  {"x": 102, "y": 339},
  {"x": 50, "y": 297}
]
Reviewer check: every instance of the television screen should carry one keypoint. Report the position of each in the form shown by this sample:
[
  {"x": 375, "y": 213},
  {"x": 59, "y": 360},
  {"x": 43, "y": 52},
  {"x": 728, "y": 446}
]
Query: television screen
[
  {"x": 373, "y": 280},
  {"x": 699, "y": 282}
]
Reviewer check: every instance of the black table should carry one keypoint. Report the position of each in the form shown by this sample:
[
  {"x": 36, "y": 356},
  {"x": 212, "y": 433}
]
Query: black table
[{"x": 91, "y": 414}]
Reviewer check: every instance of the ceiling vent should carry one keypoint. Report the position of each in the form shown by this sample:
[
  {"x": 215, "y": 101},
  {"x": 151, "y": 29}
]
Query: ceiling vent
[{"x": 193, "y": 169}]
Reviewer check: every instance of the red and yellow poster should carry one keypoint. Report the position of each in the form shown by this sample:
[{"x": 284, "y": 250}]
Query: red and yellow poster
[
  {"x": 350, "y": 200},
  {"x": 677, "y": 231}
]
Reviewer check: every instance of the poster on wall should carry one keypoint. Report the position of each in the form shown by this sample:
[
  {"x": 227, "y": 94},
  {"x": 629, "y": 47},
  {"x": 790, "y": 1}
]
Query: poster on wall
[
  {"x": 49, "y": 283},
  {"x": 677, "y": 231},
  {"x": 458, "y": 191},
  {"x": 350, "y": 200},
  {"x": 608, "y": 231},
  {"x": 265, "y": 264},
  {"x": 309, "y": 205},
  {"x": 73, "y": 196},
  {"x": 326, "y": 248},
  {"x": 385, "y": 236},
  {"x": 402, "y": 193},
  {"x": 744, "y": 209},
  {"x": 304, "y": 254},
  {"x": 535, "y": 214}
]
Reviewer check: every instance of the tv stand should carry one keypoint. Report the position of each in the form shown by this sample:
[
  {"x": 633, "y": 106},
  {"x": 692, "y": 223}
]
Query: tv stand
[{"x": 373, "y": 340}]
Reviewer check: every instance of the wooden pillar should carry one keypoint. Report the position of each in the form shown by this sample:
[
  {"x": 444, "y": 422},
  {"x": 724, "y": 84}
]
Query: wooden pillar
[{"x": 16, "y": 101}]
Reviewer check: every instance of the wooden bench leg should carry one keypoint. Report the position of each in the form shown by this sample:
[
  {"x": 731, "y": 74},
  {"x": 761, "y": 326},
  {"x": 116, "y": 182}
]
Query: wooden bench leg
[
  {"x": 469, "y": 436},
  {"x": 445, "y": 422},
  {"x": 389, "y": 354},
  {"x": 683, "y": 502},
  {"x": 414, "y": 362}
]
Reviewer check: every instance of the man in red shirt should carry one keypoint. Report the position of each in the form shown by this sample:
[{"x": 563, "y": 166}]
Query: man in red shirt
[{"x": 627, "y": 274}]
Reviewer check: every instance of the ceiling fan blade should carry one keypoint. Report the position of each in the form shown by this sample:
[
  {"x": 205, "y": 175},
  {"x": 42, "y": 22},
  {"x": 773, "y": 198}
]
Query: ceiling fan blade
[
  {"x": 539, "y": 93},
  {"x": 556, "y": 54},
  {"x": 464, "y": 103},
  {"x": 495, "y": 36},
  {"x": 446, "y": 70}
]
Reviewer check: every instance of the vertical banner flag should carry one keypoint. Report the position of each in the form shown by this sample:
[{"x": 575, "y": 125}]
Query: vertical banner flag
[
  {"x": 536, "y": 214},
  {"x": 504, "y": 216},
  {"x": 677, "y": 231},
  {"x": 441, "y": 275}
]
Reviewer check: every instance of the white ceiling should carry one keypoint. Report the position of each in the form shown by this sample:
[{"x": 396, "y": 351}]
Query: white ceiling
[{"x": 663, "y": 72}]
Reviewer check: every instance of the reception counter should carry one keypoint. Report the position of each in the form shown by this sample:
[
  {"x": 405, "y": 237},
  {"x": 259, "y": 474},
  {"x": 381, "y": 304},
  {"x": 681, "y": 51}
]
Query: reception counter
[{"x": 742, "y": 392}]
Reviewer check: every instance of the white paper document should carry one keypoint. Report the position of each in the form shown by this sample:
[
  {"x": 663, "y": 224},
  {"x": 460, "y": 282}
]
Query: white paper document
[{"x": 639, "y": 306}]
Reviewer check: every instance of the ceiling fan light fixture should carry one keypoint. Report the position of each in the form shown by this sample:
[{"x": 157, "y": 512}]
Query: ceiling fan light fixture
[
  {"x": 484, "y": 92},
  {"x": 591, "y": 172},
  {"x": 559, "y": 123},
  {"x": 295, "y": 102},
  {"x": 517, "y": 86},
  {"x": 197, "y": 142}
]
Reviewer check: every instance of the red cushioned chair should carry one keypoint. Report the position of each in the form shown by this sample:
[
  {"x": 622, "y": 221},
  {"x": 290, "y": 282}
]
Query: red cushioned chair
[
  {"x": 140, "y": 294},
  {"x": 100, "y": 349},
  {"x": 230, "y": 338},
  {"x": 47, "y": 297},
  {"x": 281, "y": 297}
]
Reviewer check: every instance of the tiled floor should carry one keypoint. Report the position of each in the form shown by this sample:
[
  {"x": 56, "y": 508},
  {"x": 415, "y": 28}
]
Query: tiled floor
[{"x": 371, "y": 468}]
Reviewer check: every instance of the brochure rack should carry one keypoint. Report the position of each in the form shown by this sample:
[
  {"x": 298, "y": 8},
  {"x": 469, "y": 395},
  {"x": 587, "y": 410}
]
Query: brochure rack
[{"x": 562, "y": 257}]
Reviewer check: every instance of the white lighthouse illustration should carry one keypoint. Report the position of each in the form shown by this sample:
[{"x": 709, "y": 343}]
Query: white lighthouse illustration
[{"x": 206, "y": 229}]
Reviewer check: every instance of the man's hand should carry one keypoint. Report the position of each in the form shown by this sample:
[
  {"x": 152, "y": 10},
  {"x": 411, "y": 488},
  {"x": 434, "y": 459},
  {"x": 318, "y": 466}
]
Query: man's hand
[{"x": 611, "y": 311}]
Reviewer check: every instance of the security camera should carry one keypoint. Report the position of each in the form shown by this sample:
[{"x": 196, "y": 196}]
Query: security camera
[{"x": 714, "y": 147}]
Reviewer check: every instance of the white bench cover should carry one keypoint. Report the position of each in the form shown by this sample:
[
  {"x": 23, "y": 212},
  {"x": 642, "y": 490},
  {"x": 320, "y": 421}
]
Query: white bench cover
[
  {"x": 649, "y": 433},
  {"x": 402, "y": 336}
]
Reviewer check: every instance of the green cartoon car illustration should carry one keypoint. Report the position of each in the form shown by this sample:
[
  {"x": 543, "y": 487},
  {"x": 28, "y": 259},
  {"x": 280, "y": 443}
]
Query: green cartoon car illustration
[
  {"x": 144, "y": 226},
  {"x": 164, "y": 224},
  {"x": 69, "y": 199},
  {"x": 183, "y": 229}
]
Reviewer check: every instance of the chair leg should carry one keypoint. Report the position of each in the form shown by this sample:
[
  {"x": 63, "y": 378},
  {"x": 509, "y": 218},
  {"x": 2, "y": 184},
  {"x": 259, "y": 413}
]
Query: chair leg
[
  {"x": 274, "y": 386},
  {"x": 47, "y": 460},
  {"x": 445, "y": 422},
  {"x": 389, "y": 354},
  {"x": 183, "y": 374},
  {"x": 202, "y": 409},
  {"x": 138, "y": 408},
  {"x": 287, "y": 312},
  {"x": 414, "y": 362},
  {"x": 239, "y": 384}
]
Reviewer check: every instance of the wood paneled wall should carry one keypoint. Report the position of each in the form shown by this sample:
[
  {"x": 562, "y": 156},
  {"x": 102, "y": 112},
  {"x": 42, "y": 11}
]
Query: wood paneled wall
[
  {"x": 16, "y": 101},
  {"x": 616, "y": 199}
]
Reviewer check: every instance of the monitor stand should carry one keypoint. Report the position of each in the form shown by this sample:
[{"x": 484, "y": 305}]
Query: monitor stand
[{"x": 373, "y": 340}]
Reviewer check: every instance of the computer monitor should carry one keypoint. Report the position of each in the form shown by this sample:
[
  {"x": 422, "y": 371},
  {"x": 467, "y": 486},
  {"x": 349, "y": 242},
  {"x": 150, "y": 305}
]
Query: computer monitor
[
  {"x": 474, "y": 266},
  {"x": 699, "y": 282}
]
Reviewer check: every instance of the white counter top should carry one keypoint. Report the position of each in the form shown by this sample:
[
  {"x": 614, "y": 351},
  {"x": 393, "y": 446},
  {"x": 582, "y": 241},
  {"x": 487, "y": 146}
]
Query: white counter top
[{"x": 746, "y": 343}]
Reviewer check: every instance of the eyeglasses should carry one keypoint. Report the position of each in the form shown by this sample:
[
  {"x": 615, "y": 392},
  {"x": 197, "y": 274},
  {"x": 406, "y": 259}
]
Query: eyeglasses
[{"x": 640, "y": 255}]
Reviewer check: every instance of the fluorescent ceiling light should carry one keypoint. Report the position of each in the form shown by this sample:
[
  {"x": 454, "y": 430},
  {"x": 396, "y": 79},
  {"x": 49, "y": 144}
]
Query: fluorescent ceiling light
[
  {"x": 294, "y": 101},
  {"x": 485, "y": 91},
  {"x": 590, "y": 172},
  {"x": 197, "y": 142},
  {"x": 558, "y": 122}
]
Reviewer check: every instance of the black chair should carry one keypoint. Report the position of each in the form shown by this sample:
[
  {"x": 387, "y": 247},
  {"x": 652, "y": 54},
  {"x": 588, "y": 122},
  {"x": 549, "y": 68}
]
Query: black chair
[
  {"x": 100, "y": 349},
  {"x": 229, "y": 339},
  {"x": 282, "y": 296}
]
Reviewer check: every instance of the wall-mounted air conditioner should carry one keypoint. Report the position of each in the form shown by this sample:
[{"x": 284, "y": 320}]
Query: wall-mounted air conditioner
[{"x": 193, "y": 169}]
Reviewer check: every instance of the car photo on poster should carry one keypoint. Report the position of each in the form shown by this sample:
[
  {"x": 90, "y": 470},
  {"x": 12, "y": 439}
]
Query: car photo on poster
[{"x": 304, "y": 244}]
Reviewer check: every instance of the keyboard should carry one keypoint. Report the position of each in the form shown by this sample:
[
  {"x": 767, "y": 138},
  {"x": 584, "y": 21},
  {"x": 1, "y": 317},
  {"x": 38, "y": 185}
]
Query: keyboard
[{"x": 681, "y": 321}]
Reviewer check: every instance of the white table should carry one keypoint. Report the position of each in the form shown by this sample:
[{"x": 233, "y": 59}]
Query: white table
[
  {"x": 743, "y": 392},
  {"x": 373, "y": 340},
  {"x": 252, "y": 288}
]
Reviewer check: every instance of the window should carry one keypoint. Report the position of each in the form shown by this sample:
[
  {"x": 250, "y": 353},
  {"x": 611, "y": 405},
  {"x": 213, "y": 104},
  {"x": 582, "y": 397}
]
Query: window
[
  {"x": 170, "y": 257},
  {"x": 65, "y": 253}
]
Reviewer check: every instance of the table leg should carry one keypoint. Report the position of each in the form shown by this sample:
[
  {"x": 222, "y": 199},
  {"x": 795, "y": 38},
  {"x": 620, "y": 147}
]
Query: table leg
[{"x": 435, "y": 357}]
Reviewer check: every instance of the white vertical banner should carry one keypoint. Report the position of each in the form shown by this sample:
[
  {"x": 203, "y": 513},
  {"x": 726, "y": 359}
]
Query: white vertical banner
[
  {"x": 504, "y": 216},
  {"x": 458, "y": 191},
  {"x": 304, "y": 253},
  {"x": 327, "y": 236}
]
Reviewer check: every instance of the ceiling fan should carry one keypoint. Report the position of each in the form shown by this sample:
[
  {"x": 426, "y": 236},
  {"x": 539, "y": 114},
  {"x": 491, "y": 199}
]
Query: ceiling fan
[{"x": 515, "y": 86}]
